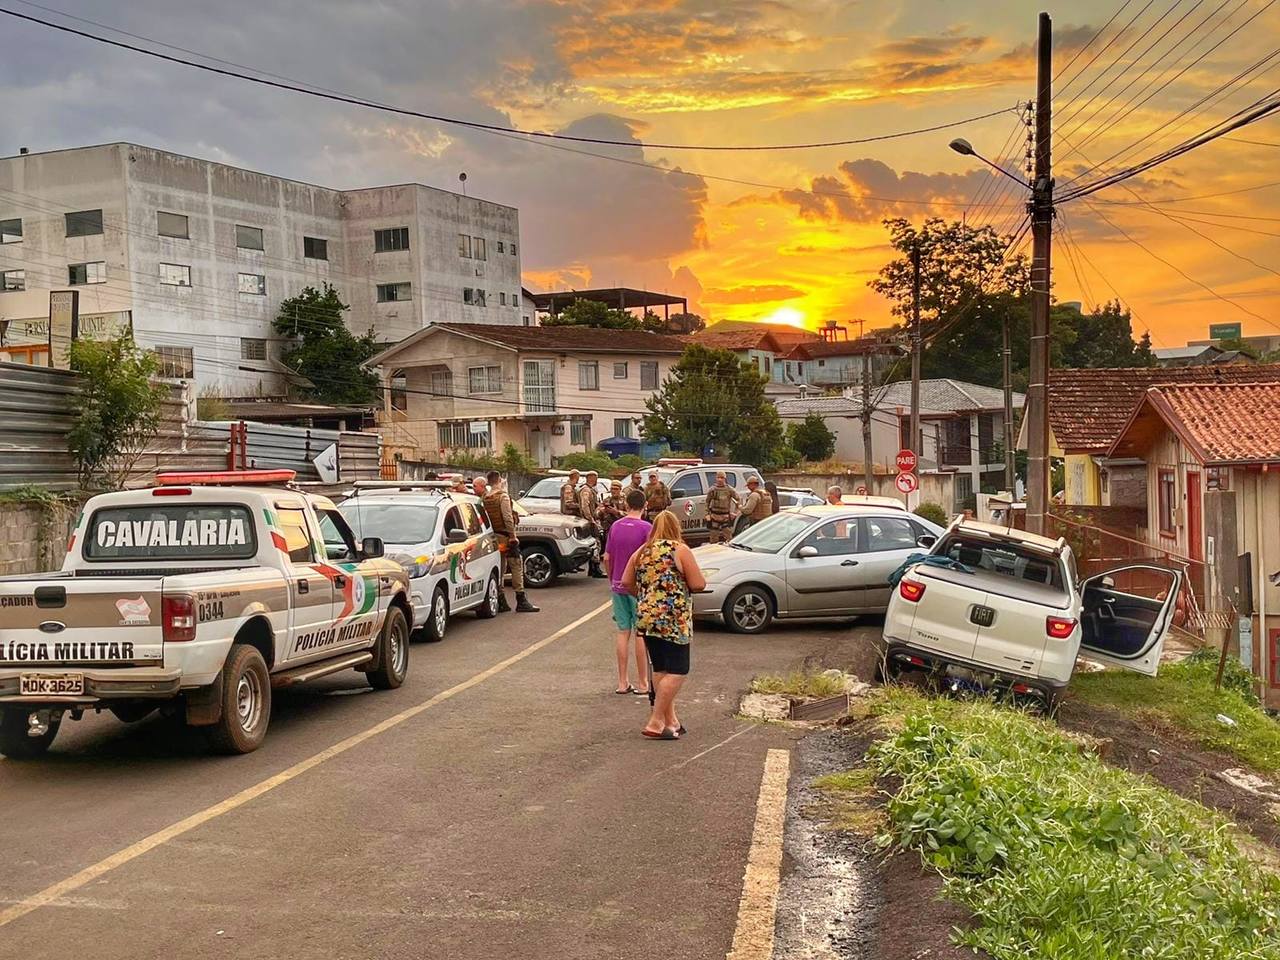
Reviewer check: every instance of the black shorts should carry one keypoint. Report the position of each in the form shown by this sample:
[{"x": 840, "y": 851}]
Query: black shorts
[{"x": 668, "y": 657}]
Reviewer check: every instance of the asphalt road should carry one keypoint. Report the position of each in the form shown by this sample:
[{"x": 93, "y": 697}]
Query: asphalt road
[{"x": 519, "y": 816}]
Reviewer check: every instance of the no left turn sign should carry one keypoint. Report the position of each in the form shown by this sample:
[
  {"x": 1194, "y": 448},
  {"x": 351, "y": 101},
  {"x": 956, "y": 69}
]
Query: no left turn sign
[{"x": 906, "y": 482}]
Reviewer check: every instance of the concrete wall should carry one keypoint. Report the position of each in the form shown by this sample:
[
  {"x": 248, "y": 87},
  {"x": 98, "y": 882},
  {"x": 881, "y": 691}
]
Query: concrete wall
[
  {"x": 934, "y": 487},
  {"x": 33, "y": 537},
  {"x": 131, "y": 183}
]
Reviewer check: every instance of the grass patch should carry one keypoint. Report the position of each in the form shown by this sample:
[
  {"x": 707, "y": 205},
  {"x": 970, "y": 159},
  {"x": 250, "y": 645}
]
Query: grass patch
[
  {"x": 847, "y": 803},
  {"x": 1059, "y": 855},
  {"x": 857, "y": 780},
  {"x": 797, "y": 684},
  {"x": 1182, "y": 699}
]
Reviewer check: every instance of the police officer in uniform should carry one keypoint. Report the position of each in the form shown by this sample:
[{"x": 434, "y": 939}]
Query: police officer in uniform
[
  {"x": 722, "y": 499},
  {"x": 569, "y": 496},
  {"x": 613, "y": 507},
  {"x": 656, "y": 496},
  {"x": 589, "y": 510},
  {"x": 497, "y": 503},
  {"x": 635, "y": 484},
  {"x": 758, "y": 504}
]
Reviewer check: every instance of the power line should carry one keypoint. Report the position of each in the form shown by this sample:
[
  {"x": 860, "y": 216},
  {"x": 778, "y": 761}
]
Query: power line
[
  {"x": 1256, "y": 143},
  {"x": 534, "y": 135},
  {"x": 1201, "y": 196},
  {"x": 1087, "y": 45}
]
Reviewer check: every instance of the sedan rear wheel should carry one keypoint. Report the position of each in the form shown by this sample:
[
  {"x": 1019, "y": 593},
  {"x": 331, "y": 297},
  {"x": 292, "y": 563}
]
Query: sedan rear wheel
[
  {"x": 438, "y": 618},
  {"x": 749, "y": 609}
]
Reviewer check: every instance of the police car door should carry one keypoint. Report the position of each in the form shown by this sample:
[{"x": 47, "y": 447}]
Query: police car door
[
  {"x": 483, "y": 557},
  {"x": 689, "y": 503},
  {"x": 465, "y": 588},
  {"x": 311, "y": 586}
]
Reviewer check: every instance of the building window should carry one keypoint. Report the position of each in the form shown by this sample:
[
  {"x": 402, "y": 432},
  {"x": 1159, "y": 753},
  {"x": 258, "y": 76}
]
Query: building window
[
  {"x": 539, "y": 386},
  {"x": 515, "y": 299},
  {"x": 248, "y": 238},
  {"x": 478, "y": 246},
  {"x": 175, "y": 275},
  {"x": 648, "y": 374},
  {"x": 1166, "y": 499},
  {"x": 474, "y": 434},
  {"x": 84, "y": 223},
  {"x": 399, "y": 390},
  {"x": 513, "y": 249},
  {"x": 502, "y": 298},
  {"x": 11, "y": 231},
  {"x": 464, "y": 245},
  {"x": 484, "y": 380},
  {"x": 620, "y": 370},
  {"x": 577, "y": 428},
  {"x": 623, "y": 428},
  {"x": 440, "y": 382},
  {"x": 82, "y": 273},
  {"x": 13, "y": 280},
  {"x": 589, "y": 375},
  {"x": 253, "y": 348},
  {"x": 252, "y": 283},
  {"x": 527, "y": 320},
  {"x": 393, "y": 238},
  {"x": 314, "y": 248},
  {"x": 172, "y": 225},
  {"x": 176, "y": 363},
  {"x": 500, "y": 247},
  {"x": 475, "y": 297},
  {"x": 957, "y": 450},
  {"x": 1103, "y": 480},
  {"x": 964, "y": 498},
  {"x": 986, "y": 437},
  {"x": 391, "y": 292}
]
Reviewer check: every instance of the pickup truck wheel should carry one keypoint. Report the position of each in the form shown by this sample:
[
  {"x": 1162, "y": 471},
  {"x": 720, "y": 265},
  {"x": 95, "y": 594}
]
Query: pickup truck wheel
[
  {"x": 246, "y": 702},
  {"x": 749, "y": 609},
  {"x": 438, "y": 618},
  {"x": 16, "y": 743},
  {"x": 395, "y": 652},
  {"x": 488, "y": 608},
  {"x": 539, "y": 567}
]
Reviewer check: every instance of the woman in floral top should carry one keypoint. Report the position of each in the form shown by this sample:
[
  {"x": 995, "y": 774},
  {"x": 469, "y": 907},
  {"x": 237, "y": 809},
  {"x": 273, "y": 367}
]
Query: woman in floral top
[{"x": 662, "y": 574}]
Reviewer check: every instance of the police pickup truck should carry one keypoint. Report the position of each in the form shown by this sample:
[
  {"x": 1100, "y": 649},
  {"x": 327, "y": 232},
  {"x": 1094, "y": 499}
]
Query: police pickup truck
[{"x": 197, "y": 597}]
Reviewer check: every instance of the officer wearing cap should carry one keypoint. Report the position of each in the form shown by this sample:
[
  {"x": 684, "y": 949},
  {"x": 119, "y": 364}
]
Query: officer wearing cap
[
  {"x": 588, "y": 509},
  {"x": 656, "y": 496},
  {"x": 497, "y": 504},
  {"x": 613, "y": 507},
  {"x": 758, "y": 504},
  {"x": 569, "y": 496},
  {"x": 721, "y": 501}
]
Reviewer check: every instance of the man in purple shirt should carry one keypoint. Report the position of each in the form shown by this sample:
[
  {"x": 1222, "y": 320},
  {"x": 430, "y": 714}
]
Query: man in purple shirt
[{"x": 626, "y": 536}]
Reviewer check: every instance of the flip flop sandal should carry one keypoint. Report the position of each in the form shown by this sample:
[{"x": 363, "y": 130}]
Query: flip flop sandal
[
  {"x": 623, "y": 693},
  {"x": 681, "y": 730},
  {"x": 640, "y": 693},
  {"x": 664, "y": 735}
]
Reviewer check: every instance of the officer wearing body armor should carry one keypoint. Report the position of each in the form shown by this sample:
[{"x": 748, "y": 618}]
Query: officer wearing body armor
[
  {"x": 656, "y": 497},
  {"x": 722, "y": 500},
  {"x": 635, "y": 484},
  {"x": 758, "y": 504},
  {"x": 569, "y": 496},
  {"x": 497, "y": 503},
  {"x": 589, "y": 510},
  {"x": 612, "y": 508}
]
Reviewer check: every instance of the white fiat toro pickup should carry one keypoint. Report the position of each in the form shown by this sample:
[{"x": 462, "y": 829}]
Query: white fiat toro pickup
[
  {"x": 197, "y": 597},
  {"x": 993, "y": 607}
]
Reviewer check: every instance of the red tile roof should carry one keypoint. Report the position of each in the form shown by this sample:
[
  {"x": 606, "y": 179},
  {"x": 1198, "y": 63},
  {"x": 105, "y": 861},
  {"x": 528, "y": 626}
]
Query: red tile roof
[
  {"x": 1219, "y": 422},
  {"x": 1089, "y": 407},
  {"x": 737, "y": 340}
]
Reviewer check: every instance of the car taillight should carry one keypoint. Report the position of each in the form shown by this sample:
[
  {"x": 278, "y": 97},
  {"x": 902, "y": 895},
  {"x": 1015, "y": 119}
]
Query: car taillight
[
  {"x": 911, "y": 590},
  {"x": 1059, "y": 628},
  {"x": 178, "y": 617}
]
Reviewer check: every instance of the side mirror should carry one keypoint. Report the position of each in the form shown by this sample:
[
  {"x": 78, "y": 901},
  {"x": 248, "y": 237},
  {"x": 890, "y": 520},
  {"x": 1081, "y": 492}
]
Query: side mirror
[
  {"x": 805, "y": 553},
  {"x": 371, "y": 548},
  {"x": 926, "y": 541},
  {"x": 456, "y": 536}
]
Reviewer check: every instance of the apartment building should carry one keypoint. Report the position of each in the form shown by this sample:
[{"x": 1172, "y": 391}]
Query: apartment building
[
  {"x": 549, "y": 390},
  {"x": 199, "y": 255}
]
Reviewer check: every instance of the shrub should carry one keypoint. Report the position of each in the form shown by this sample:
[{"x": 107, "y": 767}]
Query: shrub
[
  {"x": 933, "y": 512},
  {"x": 630, "y": 462},
  {"x": 596, "y": 460}
]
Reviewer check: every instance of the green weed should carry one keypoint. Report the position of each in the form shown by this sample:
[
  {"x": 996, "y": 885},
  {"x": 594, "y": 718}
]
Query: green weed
[
  {"x": 799, "y": 684},
  {"x": 1060, "y": 856}
]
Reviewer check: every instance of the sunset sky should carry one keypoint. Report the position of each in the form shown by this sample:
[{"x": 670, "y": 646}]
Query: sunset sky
[{"x": 801, "y": 243}]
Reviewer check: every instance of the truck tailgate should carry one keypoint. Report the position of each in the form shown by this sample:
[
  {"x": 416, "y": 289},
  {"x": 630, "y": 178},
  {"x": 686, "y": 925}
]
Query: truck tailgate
[
  {"x": 80, "y": 621},
  {"x": 942, "y": 615}
]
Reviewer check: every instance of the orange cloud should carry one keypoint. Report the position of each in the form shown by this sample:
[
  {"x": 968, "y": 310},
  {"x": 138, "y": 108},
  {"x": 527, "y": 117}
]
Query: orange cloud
[{"x": 752, "y": 293}]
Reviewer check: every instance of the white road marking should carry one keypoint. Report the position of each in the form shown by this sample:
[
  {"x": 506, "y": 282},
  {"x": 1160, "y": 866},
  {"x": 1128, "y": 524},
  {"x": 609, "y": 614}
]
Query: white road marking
[
  {"x": 699, "y": 756},
  {"x": 52, "y": 894},
  {"x": 758, "y": 906}
]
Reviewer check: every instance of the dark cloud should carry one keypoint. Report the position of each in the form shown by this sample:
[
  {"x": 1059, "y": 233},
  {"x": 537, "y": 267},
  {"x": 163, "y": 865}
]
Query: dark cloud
[{"x": 868, "y": 190}]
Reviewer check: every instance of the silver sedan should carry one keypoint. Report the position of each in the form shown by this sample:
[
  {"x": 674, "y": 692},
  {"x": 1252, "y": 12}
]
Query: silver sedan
[{"x": 813, "y": 562}]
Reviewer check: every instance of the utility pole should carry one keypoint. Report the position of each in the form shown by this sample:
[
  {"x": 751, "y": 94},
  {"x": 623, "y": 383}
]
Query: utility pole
[
  {"x": 866, "y": 423},
  {"x": 1010, "y": 478},
  {"x": 1041, "y": 236},
  {"x": 915, "y": 347}
]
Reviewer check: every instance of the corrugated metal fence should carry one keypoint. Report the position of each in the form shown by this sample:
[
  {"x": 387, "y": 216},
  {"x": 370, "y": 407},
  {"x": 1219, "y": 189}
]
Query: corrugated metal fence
[{"x": 38, "y": 409}]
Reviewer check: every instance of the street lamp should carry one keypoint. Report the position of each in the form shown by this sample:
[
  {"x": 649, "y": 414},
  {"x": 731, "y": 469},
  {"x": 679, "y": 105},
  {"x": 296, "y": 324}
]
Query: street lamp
[{"x": 965, "y": 149}]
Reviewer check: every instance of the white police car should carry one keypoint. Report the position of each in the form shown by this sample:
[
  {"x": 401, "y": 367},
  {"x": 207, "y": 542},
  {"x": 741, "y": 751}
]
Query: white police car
[{"x": 444, "y": 540}]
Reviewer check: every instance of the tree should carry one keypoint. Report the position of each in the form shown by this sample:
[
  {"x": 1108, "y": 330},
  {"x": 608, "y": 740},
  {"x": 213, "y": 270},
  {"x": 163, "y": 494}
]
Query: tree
[
  {"x": 593, "y": 313},
  {"x": 812, "y": 438},
  {"x": 324, "y": 351},
  {"x": 1104, "y": 338},
  {"x": 1236, "y": 343},
  {"x": 713, "y": 399},
  {"x": 118, "y": 409}
]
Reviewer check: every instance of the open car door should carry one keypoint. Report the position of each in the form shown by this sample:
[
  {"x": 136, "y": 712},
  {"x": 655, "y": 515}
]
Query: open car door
[{"x": 1126, "y": 614}]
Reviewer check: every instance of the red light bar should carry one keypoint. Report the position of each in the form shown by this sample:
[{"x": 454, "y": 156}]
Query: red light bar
[{"x": 227, "y": 478}]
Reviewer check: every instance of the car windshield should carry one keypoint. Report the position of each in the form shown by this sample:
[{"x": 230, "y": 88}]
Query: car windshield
[
  {"x": 391, "y": 522},
  {"x": 773, "y": 533},
  {"x": 1006, "y": 559},
  {"x": 547, "y": 489}
]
